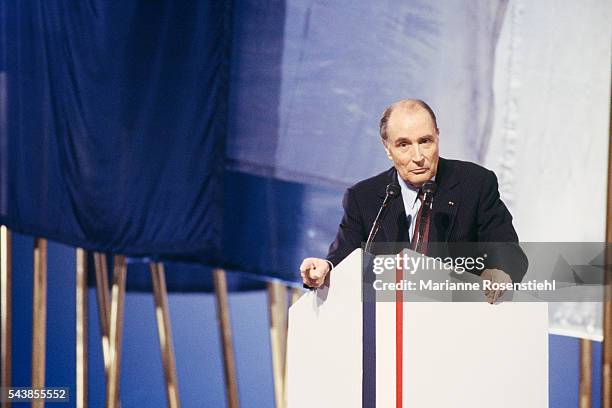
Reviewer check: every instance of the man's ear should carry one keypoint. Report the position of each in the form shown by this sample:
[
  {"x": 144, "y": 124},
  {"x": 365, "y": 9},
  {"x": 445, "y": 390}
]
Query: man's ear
[{"x": 384, "y": 142}]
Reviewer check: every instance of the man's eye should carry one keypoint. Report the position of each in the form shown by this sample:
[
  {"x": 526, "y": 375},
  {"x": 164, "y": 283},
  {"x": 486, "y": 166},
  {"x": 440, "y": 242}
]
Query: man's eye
[{"x": 403, "y": 145}]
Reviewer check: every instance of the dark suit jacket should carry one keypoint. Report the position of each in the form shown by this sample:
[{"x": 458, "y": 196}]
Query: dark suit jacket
[{"x": 466, "y": 208}]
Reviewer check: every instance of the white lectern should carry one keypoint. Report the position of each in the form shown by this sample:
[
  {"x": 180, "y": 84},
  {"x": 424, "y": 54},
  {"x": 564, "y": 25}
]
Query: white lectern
[{"x": 452, "y": 354}]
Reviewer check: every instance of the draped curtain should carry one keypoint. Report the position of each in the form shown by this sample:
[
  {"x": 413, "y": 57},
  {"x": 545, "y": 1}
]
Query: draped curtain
[{"x": 222, "y": 133}]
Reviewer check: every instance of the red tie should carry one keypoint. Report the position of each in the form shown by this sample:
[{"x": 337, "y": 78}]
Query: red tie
[{"x": 422, "y": 249}]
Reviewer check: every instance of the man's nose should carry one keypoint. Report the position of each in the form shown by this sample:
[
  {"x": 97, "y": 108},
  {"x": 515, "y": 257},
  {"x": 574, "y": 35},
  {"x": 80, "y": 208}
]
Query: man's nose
[{"x": 418, "y": 155}]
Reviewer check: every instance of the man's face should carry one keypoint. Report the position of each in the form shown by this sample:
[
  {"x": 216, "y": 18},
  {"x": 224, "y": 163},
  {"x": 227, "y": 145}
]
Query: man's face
[{"x": 412, "y": 144}]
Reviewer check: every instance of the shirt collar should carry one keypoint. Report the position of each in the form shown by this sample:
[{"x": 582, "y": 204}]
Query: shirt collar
[{"x": 409, "y": 192}]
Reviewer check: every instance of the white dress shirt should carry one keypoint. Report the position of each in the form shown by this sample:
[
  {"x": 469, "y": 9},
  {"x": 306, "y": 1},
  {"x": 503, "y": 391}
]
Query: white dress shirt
[{"x": 411, "y": 203}]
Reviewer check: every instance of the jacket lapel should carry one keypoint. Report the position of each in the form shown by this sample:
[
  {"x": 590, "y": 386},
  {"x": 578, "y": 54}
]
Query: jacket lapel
[
  {"x": 394, "y": 227},
  {"x": 445, "y": 203}
]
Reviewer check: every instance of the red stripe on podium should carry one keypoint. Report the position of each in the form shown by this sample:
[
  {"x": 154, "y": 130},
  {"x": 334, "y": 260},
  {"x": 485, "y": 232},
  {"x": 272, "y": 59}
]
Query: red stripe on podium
[{"x": 399, "y": 343}]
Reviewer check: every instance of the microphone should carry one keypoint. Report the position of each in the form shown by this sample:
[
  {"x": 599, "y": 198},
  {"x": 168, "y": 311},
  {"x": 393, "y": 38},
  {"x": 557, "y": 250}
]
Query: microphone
[
  {"x": 393, "y": 190},
  {"x": 429, "y": 189}
]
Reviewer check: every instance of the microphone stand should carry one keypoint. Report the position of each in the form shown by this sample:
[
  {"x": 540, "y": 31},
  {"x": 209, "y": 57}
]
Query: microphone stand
[{"x": 393, "y": 190}]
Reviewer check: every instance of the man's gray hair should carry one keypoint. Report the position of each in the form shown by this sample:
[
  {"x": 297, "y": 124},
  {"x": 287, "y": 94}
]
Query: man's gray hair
[{"x": 408, "y": 104}]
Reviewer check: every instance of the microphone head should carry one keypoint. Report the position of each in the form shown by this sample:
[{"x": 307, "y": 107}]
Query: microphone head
[
  {"x": 393, "y": 189},
  {"x": 429, "y": 188}
]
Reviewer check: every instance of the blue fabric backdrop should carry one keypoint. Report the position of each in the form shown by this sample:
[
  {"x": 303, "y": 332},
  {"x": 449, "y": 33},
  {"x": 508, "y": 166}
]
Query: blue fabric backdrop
[
  {"x": 312, "y": 78},
  {"x": 116, "y": 123},
  {"x": 221, "y": 133}
]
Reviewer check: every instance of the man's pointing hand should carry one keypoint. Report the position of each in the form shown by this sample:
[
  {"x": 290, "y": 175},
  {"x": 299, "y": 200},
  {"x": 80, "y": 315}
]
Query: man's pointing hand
[{"x": 314, "y": 271}]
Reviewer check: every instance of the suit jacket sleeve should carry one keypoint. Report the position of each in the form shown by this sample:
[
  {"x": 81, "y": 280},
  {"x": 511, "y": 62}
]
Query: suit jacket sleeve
[
  {"x": 351, "y": 232},
  {"x": 497, "y": 234}
]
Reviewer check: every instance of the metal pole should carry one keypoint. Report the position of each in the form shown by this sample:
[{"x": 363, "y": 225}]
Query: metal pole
[
  {"x": 81, "y": 328},
  {"x": 116, "y": 330},
  {"x": 103, "y": 299},
  {"x": 39, "y": 317},
  {"x": 102, "y": 296},
  {"x": 223, "y": 316},
  {"x": 164, "y": 330},
  {"x": 5, "y": 308},
  {"x": 586, "y": 373},
  {"x": 277, "y": 310}
]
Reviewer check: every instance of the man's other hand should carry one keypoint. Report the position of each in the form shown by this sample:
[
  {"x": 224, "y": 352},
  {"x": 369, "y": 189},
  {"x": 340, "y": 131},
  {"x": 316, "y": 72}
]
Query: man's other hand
[
  {"x": 495, "y": 276},
  {"x": 313, "y": 271}
]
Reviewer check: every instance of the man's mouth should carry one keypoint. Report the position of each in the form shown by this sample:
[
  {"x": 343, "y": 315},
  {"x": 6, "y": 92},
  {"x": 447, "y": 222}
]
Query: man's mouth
[{"x": 420, "y": 170}]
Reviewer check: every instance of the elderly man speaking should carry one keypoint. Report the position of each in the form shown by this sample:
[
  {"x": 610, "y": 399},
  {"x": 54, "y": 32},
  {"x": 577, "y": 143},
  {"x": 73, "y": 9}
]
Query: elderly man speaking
[{"x": 467, "y": 207}]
